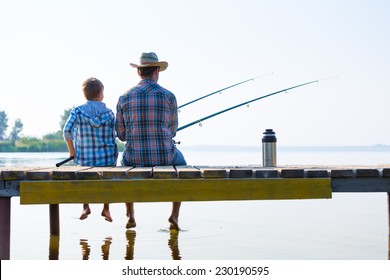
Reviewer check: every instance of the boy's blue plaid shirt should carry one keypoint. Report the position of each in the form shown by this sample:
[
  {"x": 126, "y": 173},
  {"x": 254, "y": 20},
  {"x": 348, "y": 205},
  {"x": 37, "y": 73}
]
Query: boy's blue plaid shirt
[
  {"x": 93, "y": 136},
  {"x": 147, "y": 120}
]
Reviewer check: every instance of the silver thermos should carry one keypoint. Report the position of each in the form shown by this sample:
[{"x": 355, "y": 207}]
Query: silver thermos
[{"x": 269, "y": 148}]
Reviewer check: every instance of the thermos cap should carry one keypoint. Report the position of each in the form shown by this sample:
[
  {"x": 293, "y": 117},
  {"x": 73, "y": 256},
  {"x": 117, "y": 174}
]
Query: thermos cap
[{"x": 269, "y": 136}]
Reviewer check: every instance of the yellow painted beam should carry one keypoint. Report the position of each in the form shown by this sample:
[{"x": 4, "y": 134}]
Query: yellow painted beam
[{"x": 163, "y": 190}]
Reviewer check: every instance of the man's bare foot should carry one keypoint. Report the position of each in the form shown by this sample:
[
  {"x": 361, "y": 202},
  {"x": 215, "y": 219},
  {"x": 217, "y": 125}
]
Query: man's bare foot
[
  {"x": 131, "y": 223},
  {"x": 107, "y": 216},
  {"x": 174, "y": 223},
  {"x": 85, "y": 214}
]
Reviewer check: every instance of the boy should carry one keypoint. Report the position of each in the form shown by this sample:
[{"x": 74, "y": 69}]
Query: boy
[{"x": 90, "y": 135}]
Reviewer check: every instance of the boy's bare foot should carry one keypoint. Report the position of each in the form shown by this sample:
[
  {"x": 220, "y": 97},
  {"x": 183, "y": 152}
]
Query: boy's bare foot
[
  {"x": 174, "y": 223},
  {"x": 85, "y": 214},
  {"x": 131, "y": 223},
  {"x": 107, "y": 216}
]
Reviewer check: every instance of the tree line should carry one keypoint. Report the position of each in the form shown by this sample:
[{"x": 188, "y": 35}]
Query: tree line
[{"x": 51, "y": 142}]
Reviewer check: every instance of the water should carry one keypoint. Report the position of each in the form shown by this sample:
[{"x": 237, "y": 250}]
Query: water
[{"x": 348, "y": 226}]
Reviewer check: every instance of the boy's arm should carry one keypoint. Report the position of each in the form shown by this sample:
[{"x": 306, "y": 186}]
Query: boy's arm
[
  {"x": 67, "y": 131},
  {"x": 72, "y": 151}
]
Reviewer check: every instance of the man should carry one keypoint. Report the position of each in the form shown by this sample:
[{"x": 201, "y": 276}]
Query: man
[{"x": 147, "y": 120}]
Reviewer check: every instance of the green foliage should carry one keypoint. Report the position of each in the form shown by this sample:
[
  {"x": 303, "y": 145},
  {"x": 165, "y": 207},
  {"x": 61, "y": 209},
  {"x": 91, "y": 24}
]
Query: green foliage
[
  {"x": 53, "y": 136},
  {"x": 64, "y": 117},
  {"x": 3, "y": 124},
  {"x": 7, "y": 146},
  {"x": 33, "y": 144},
  {"x": 17, "y": 128}
]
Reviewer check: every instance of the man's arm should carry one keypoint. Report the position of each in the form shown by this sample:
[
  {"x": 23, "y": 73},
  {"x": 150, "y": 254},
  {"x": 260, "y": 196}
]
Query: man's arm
[{"x": 120, "y": 123}]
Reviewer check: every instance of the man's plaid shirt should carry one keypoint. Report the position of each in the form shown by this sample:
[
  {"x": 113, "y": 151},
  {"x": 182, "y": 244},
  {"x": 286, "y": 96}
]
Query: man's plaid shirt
[{"x": 147, "y": 120}]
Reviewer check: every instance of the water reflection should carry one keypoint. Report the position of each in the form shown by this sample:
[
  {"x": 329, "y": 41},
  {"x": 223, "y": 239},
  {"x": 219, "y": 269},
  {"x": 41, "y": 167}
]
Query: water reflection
[
  {"x": 85, "y": 249},
  {"x": 54, "y": 247},
  {"x": 130, "y": 238},
  {"x": 106, "y": 248},
  {"x": 173, "y": 244}
]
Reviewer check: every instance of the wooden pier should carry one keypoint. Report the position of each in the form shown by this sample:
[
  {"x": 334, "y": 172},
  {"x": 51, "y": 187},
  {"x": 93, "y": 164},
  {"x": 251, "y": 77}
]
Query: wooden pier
[{"x": 71, "y": 184}]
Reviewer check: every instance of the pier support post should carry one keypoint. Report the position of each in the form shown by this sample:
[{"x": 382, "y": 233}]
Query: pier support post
[
  {"x": 388, "y": 208},
  {"x": 54, "y": 210},
  {"x": 5, "y": 227}
]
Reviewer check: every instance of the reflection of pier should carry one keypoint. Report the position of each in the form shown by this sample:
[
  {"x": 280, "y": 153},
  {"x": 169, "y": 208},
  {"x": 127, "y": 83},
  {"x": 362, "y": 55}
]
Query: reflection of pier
[
  {"x": 54, "y": 246},
  {"x": 54, "y": 186}
]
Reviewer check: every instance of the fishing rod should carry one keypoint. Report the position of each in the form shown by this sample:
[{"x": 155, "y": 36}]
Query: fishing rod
[
  {"x": 64, "y": 161},
  {"x": 219, "y": 91},
  {"x": 246, "y": 103}
]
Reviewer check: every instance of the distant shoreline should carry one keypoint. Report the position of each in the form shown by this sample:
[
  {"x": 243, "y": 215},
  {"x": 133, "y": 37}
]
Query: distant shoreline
[
  {"x": 239, "y": 148},
  {"x": 372, "y": 148}
]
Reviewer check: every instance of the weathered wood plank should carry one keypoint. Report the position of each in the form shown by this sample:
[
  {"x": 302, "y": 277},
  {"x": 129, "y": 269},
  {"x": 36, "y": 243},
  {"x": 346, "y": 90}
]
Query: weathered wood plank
[
  {"x": 386, "y": 172},
  {"x": 39, "y": 174},
  {"x": 342, "y": 173},
  {"x": 212, "y": 172},
  {"x": 15, "y": 173},
  {"x": 292, "y": 173},
  {"x": 140, "y": 173},
  {"x": 152, "y": 190},
  {"x": 118, "y": 172},
  {"x": 266, "y": 173},
  {"x": 164, "y": 172},
  {"x": 188, "y": 172},
  {"x": 317, "y": 173},
  {"x": 67, "y": 172},
  {"x": 92, "y": 173},
  {"x": 240, "y": 173},
  {"x": 367, "y": 172}
]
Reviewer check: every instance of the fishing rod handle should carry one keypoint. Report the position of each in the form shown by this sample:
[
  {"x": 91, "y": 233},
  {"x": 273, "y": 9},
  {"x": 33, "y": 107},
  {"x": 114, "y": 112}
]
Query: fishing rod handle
[{"x": 64, "y": 161}]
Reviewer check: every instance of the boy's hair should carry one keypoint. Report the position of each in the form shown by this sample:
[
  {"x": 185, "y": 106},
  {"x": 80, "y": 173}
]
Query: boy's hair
[
  {"x": 91, "y": 88},
  {"x": 147, "y": 72}
]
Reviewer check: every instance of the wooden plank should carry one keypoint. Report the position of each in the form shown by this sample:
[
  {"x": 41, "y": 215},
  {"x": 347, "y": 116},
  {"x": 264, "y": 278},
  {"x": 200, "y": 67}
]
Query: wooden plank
[
  {"x": 15, "y": 173},
  {"x": 154, "y": 190},
  {"x": 118, "y": 172},
  {"x": 386, "y": 172},
  {"x": 212, "y": 172},
  {"x": 240, "y": 173},
  {"x": 140, "y": 173},
  {"x": 266, "y": 173},
  {"x": 92, "y": 173},
  {"x": 188, "y": 172},
  {"x": 292, "y": 173},
  {"x": 367, "y": 172},
  {"x": 39, "y": 174},
  {"x": 317, "y": 173},
  {"x": 342, "y": 173},
  {"x": 164, "y": 172},
  {"x": 67, "y": 172}
]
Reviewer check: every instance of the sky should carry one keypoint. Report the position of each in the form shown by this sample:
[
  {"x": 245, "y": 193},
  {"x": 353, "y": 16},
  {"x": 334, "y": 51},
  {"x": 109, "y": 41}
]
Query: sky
[{"x": 48, "y": 48}]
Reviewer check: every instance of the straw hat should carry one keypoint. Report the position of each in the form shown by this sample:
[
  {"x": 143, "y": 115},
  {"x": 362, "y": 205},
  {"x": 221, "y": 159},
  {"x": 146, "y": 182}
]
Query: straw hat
[{"x": 150, "y": 60}]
